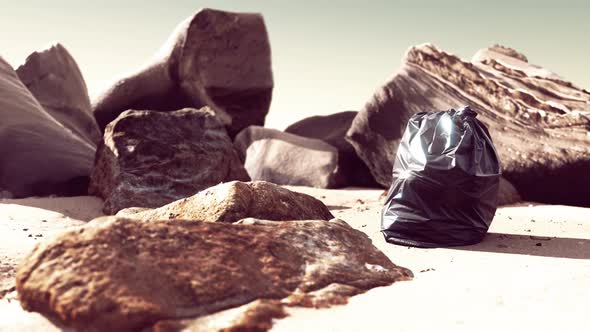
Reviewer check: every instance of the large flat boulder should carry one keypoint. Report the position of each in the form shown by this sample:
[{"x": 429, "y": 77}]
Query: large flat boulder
[
  {"x": 149, "y": 159},
  {"x": 127, "y": 275},
  {"x": 39, "y": 155},
  {"x": 232, "y": 201},
  {"x": 214, "y": 58},
  {"x": 282, "y": 158},
  {"x": 539, "y": 122},
  {"x": 332, "y": 130},
  {"x": 54, "y": 79}
]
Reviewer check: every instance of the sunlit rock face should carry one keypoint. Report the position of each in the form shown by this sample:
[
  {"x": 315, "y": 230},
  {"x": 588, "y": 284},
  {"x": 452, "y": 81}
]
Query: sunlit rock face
[
  {"x": 214, "y": 58},
  {"x": 231, "y": 201},
  {"x": 539, "y": 122}
]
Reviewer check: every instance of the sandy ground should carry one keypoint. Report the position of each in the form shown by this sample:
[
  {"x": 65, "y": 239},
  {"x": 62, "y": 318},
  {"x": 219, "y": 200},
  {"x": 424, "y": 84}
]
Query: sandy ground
[{"x": 531, "y": 273}]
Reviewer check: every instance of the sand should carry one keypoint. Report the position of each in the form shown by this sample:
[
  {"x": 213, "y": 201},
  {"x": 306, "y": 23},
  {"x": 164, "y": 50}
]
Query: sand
[{"x": 532, "y": 272}]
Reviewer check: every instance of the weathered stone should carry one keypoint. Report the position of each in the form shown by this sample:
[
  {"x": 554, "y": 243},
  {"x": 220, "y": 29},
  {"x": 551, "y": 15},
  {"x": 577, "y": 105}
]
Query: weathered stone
[
  {"x": 55, "y": 80},
  {"x": 232, "y": 201},
  {"x": 282, "y": 158},
  {"x": 124, "y": 274},
  {"x": 538, "y": 121},
  {"x": 214, "y": 58},
  {"x": 507, "y": 194},
  {"x": 37, "y": 153},
  {"x": 332, "y": 130},
  {"x": 149, "y": 159},
  {"x": 252, "y": 317}
]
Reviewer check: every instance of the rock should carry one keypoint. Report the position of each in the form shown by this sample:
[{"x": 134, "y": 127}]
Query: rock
[
  {"x": 55, "y": 80},
  {"x": 332, "y": 130},
  {"x": 37, "y": 152},
  {"x": 5, "y": 194},
  {"x": 232, "y": 201},
  {"x": 149, "y": 159},
  {"x": 507, "y": 194},
  {"x": 538, "y": 121},
  {"x": 252, "y": 317},
  {"x": 282, "y": 158},
  {"x": 214, "y": 58},
  {"x": 122, "y": 274}
]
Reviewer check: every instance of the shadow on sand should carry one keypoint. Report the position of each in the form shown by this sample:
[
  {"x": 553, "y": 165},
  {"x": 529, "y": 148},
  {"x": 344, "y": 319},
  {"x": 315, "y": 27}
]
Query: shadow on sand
[{"x": 533, "y": 245}]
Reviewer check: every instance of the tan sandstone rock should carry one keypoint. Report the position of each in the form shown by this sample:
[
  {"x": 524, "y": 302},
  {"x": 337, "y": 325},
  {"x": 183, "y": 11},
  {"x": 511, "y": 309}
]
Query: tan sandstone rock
[{"x": 232, "y": 201}]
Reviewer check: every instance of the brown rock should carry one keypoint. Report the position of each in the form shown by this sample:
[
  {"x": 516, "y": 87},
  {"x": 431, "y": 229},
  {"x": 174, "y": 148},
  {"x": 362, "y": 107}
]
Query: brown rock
[
  {"x": 149, "y": 159},
  {"x": 282, "y": 158},
  {"x": 55, "y": 80},
  {"x": 538, "y": 121},
  {"x": 38, "y": 154},
  {"x": 252, "y": 317},
  {"x": 332, "y": 130},
  {"x": 214, "y": 58},
  {"x": 117, "y": 274},
  {"x": 232, "y": 201}
]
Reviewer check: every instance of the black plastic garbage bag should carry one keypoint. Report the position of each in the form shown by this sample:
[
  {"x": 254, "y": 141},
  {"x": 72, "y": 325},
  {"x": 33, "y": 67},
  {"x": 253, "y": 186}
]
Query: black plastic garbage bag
[{"x": 445, "y": 182}]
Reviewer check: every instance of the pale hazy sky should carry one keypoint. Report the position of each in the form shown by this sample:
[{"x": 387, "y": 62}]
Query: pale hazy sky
[{"x": 328, "y": 56}]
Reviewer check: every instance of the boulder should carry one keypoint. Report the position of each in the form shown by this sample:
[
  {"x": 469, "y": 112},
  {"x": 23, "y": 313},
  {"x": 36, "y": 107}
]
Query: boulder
[
  {"x": 232, "y": 201},
  {"x": 54, "y": 79},
  {"x": 214, "y": 58},
  {"x": 127, "y": 275},
  {"x": 539, "y": 122},
  {"x": 286, "y": 159},
  {"x": 149, "y": 159},
  {"x": 37, "y": 152},
  {"x": 332, "y": 130}
]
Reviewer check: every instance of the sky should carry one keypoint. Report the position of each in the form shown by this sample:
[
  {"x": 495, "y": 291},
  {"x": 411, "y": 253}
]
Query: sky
[{"x": 328, "y": 56}]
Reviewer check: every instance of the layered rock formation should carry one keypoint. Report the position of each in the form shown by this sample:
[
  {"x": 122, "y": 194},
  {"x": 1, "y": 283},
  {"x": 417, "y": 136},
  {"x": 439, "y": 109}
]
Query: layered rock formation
[
  {"x": 282, "y": 158},
  {"x": 39, "y": 155},
  {"x": 116, "y": 274},
  {"x": 232, "y": 201},
  {"x": 55, "y": 80},
  {"x": 539, "y": 122},
  {"x": 149, "y": 159},
  {"x": 214, "y": 58},
  {"x": 332, "y": 130}
]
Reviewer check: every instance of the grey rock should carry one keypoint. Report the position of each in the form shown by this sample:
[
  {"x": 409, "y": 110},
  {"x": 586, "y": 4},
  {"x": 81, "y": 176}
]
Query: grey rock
[
  {"x": 214, "y": 58},
  {"x": 38, "y": 154},
  {"x": 54, "y": 79},
  {"x": 286, "y": 159},
  {"x": 332, "y": 130},
  {"x": 149, "y": 159}
]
